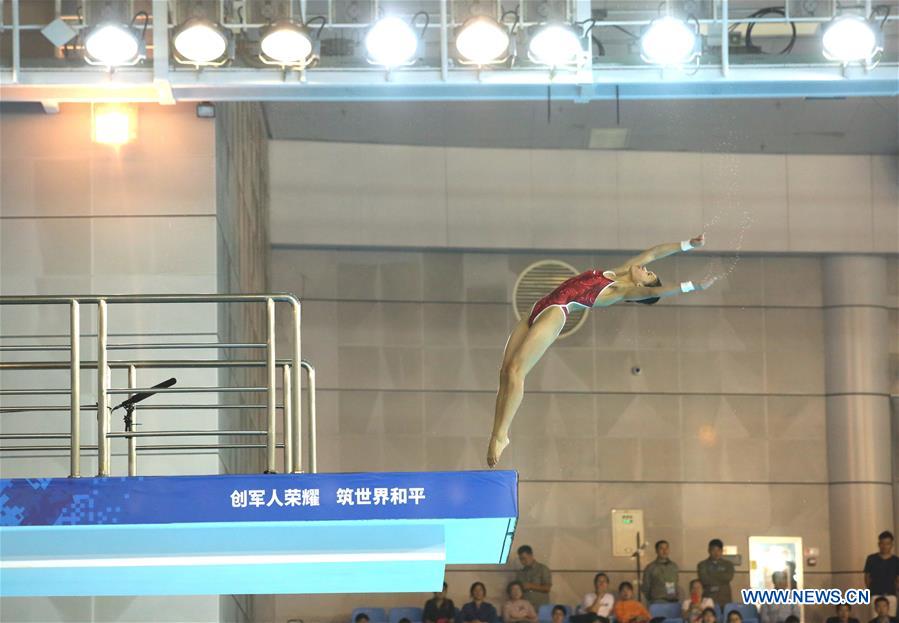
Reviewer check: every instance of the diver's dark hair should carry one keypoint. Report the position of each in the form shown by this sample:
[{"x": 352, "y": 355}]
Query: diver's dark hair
[{"x": 655, "y": 284}]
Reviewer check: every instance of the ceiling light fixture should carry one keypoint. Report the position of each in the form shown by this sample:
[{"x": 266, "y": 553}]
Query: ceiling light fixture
[
  {"x": 483, "y": 40},
  {"x": 113, "y": 44},
  {"x": 850, "y": 38},
  {"x": 391, "y": 42},
  {"x": 202, "y": 43},
  {"x": 669, "y": 41},
  {"x": 288, "y": 43},
  {"x": 557, "y": 45}
]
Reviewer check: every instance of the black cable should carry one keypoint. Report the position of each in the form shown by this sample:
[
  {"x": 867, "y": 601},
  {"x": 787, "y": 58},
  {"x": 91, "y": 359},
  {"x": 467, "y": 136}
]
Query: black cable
[
  {"x": 146, "y": 19},
  {"x": 594, "y": 38},
  {"x": 427, "y": 22},
  {"x": 324, "y": 21},
  {"x": 517, "y": 21},
  {"x": 627, "y": 32},
  {"x": 762, "y": 13},
  {"x": 877, "y": 9}
]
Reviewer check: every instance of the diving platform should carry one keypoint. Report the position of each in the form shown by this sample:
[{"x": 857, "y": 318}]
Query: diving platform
[{"x": 251, "y": 534}]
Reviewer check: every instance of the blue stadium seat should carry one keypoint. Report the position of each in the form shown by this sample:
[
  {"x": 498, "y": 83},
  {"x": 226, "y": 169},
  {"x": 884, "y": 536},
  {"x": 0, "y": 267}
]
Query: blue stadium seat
[
  {"x": 666, "y": 610},
  {"x": 413, "y": 614},
  {"x": 375, "y": 615},
  {"x": 545, "y": 613}
]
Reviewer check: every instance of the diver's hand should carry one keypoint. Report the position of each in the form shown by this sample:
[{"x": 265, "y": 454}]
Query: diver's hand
[
  {"x": 706, "y": 283},
  {"x": 698, "y": 241}
]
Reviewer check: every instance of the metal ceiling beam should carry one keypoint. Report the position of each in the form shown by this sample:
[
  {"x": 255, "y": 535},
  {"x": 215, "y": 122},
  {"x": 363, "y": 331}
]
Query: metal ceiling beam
[{"x": 324, "y": 85}]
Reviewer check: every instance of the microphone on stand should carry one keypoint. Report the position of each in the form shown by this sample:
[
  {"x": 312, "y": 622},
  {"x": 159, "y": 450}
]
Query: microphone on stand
[{"x": 129, "y": 403}]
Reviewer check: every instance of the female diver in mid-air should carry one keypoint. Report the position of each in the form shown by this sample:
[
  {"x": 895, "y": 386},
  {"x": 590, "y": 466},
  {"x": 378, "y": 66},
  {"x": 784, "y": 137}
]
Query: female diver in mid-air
[{"x": 594, "y": 288}]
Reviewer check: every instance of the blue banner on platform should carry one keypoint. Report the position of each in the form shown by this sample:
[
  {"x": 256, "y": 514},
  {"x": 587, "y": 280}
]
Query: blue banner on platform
[{"x": 258, "y": 497}]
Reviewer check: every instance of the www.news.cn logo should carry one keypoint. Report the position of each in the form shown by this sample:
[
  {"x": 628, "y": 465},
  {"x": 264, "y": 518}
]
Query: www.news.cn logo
[{"x": 807, "y": 596}]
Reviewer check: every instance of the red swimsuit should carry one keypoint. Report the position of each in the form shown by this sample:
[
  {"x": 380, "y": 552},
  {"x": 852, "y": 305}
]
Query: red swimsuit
[{"x": 578, "y": 291}]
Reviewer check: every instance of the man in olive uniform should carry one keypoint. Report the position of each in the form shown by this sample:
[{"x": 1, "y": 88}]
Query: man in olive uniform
[
  {"x": 715, "y": 573},
  {"x": 535, "y": 577},
  {"x": 660, "y": 577}
]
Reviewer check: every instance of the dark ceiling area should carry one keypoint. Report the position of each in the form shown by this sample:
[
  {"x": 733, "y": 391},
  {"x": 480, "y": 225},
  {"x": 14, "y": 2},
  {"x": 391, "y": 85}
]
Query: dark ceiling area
[{"x": 863, "y": 125}]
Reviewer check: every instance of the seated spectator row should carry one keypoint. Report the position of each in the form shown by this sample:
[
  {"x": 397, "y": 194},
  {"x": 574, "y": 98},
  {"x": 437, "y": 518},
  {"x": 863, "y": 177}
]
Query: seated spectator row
[
  {"x": 709, "y": 600},
  {"x": 549, "y": 613}
]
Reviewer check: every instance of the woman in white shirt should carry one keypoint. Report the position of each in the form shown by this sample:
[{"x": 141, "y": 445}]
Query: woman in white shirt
[
  {"x": 598, "y": 604},
  {"x": 692, "y": 608}
]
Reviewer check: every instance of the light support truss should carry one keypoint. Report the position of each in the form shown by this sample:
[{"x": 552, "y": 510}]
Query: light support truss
[{"x": 166, "y": 83}]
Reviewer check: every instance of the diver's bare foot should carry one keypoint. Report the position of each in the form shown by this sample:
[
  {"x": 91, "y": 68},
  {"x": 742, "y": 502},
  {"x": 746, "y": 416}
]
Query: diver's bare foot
[{"x": 495, "y": 449}]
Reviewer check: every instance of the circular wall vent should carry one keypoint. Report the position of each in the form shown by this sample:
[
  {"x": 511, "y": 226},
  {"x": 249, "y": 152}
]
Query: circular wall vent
[{"x": 538, "y": 280}]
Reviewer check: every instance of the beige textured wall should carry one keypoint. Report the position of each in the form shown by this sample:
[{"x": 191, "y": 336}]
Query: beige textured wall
[
  {"x": 464, "y": 198},
  {"x": 407, "y": 347}
]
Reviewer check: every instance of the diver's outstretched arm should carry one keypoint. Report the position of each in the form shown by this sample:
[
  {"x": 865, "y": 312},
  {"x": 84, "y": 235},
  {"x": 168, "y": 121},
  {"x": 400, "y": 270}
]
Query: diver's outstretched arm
[
  {"x": 640, "y": 293},
  {"x": 663, "y": 250}
]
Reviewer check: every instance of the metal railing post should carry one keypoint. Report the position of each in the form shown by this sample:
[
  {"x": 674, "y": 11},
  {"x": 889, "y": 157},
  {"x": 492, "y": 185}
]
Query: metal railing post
[
  {"x": 132, "y": 441},
  {"x": 270, "y": 369},
  {"x": 288, "y": 419},
  {"x": 75, "y": 388},
  {"x": 16, "y": 43},
  {"x": 444, "y": 50},
  {"x": 297, "y": 376},
  {"x": 102, "y": 396},
  {"x": 725, "y": 40},
  {"x": 310, "y": 390}
]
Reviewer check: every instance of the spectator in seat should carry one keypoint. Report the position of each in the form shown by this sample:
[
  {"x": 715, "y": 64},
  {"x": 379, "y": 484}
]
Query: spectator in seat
[
  {"x": 559, "y": 614},
  {"x": 844, "y": 615},
  {"x": 734, "y": 616},
  {"x": 882, "y": 608},
  {"x": 439, "y": 609},
  {"x": 477, "y": 610},
  {"x": 709, "y": 616},
  {"x": 404, "y": 620},
  {"x": 882, "y": 571},
  {"x": 535, "y": 577},
  {"x": 692, "y": 609},
  {"x": 518, "y": 609},
  {"x": 778, "y": 613},
  {"x": 660, "y": 577},
  {"x": 628, "y": 609},
  {"x": 598, "y": 605},
  {"x": 361, "y": 618},
  {"x": 715, "y": 573},
  {"x": 792, "y": 618}
]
